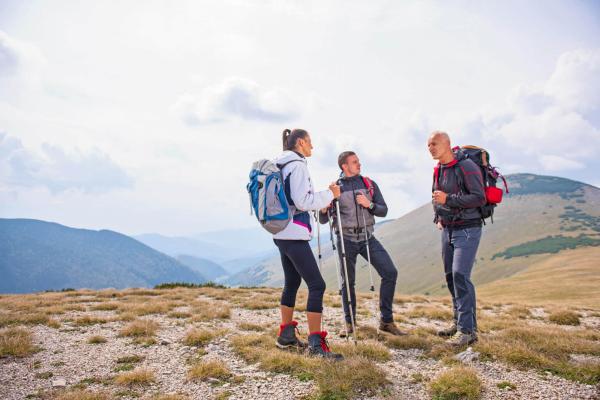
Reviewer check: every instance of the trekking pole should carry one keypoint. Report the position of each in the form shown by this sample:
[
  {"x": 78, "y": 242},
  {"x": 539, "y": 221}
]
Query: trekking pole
[
  {"x": 346, "y": 278},
  {"x": 368, "y": 252},
  {"x": 319, "y": 242},
  {"x": 336, "y": 254},
  {"x": 369, "y": 259}
]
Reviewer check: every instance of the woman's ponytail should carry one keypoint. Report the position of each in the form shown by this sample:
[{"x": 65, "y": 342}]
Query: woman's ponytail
[
  {"x": 286, "y": 135},
  {"x": 290, "y": 138}
]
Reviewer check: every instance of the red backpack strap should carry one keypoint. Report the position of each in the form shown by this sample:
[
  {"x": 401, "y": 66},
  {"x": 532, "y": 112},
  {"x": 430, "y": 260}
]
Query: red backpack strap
[
  {"x": 369, "y": 184},
  {"x": 436, "y": 177}
]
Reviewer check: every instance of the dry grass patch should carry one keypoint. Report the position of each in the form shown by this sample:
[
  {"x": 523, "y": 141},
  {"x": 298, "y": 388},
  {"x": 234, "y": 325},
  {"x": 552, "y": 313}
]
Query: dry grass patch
[
  {"x": 546, "y": 349},
  {"x": 565, "y": 317},
  {"x": 201, "y": 337},
  {"x": 519, "y": 311},
  {"x": 96, "y": 339},
  {"x": 430, "y": 312},
  {"x": 209, "y": 369},
  {"x": 207, "y": 311},
  {"x": 486, "y": 324},
  {"x": 140, "y": 376},
  {"x": 16, "y": 342},
  {"x": 258, "y": 304},
  {"x": 354, "y": 376},
  {"x": 412, "y": 341},
  {"x": 130, "y": 359},
  {"x": 247, "y": 326},
  {"x": 142, "y": 292},
  {"x": 140, "y": 328},
  {"x": 80, "y": 394},
  {"x": 106, "y": 306},
  {"x": 402, "y": 299},
  {"x": 142, "y": 307},
  {"x": 368, "y": 349},
  {"x": 179, "y": 314},
  {"x": 457, "y": 383},
  {"x": 169, "y": 397},
  {"x": 88, "y": 320},
  {"x": 19, "y": 318}
]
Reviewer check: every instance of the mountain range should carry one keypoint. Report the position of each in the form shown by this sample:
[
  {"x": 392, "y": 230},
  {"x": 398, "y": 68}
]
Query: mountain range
[{"x": 37, "y": 255}]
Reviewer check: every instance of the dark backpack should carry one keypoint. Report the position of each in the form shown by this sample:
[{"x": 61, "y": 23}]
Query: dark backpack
[{"x": 490, "y": 174}]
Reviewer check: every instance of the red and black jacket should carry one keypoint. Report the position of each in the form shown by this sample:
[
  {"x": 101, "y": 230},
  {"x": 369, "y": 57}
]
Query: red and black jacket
[{"x": 461, "y": 179}]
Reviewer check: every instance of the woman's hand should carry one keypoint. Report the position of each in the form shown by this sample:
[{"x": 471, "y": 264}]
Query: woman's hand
[{"x": 335, "y": 189}]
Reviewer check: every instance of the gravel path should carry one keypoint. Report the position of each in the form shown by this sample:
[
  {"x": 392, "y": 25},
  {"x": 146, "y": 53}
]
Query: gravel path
[{"x": 66, "y": 354}]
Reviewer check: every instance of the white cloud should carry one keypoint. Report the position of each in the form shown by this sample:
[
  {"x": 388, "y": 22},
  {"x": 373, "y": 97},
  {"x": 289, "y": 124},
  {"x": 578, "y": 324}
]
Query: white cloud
[
  {"x": 557, "y": 163},
  {"x": 19, "y": 61},
  {"x": 235, "y": 98},
  {"x": 575, "y": 82},
  {"x": 92, "y": 172},
  {"x": 552, "y": 126}
]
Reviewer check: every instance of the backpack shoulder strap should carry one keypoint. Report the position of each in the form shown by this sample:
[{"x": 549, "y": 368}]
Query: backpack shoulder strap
[
  {"x": 280, "y": 166},
  {"x": 369, "y": 184}
]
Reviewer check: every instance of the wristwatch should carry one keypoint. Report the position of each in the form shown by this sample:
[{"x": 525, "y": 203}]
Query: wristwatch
[{"x": 371, "y": 206}]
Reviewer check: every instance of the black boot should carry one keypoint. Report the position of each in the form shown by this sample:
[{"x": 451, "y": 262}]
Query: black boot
[
  {"x": 287, "y": 337},
  {"x": 318, "y": 347}
]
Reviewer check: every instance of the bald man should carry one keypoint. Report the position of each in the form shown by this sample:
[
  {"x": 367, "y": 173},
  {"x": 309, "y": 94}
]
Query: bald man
[{"x": 457, "y": 195}]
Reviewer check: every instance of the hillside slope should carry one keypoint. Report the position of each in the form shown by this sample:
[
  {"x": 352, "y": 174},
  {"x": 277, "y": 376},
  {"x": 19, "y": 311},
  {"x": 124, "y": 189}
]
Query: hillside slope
[
  {"x": 542, "y": 214},
  {"x": 37, "y": 255}
]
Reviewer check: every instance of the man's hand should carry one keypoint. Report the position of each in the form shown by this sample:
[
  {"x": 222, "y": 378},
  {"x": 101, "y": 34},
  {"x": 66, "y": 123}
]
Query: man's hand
[
  {"x": 439, "y": 226},
  {"x": 362, "y": 200},
  {"x": 439, "y": 197},
  {"x": 324, "y": 210}
]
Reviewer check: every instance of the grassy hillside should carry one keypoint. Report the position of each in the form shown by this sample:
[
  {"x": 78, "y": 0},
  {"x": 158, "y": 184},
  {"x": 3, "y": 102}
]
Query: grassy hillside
[
  {"x": 204, "y": 267},
  {"x": 37, "y": 255},
  {"x": 570, "y": 278},
  {"x": 541, "y": 218}
]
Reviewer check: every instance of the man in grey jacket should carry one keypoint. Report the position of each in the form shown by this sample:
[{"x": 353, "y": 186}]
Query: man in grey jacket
[
  {"x": 457, "y": 196},
  {"x": 360, "y": 202}
]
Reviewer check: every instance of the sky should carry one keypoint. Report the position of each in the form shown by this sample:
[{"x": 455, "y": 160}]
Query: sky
[{"x": 145, "y": 116}]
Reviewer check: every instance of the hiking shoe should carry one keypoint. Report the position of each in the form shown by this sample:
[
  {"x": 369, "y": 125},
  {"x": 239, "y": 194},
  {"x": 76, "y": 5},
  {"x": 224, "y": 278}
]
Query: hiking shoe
[
  {"x": 390, "y": 327},
  {"x": 348, "y": 330},
  {"x": 461, "y": 339},
  {"x": 450, "y": 331},
  {"x": 318, "y": 347},
  {"x": 287, "y": 337}
]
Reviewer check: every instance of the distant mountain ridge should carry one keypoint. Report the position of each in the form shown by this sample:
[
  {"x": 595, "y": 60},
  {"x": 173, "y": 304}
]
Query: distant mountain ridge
[
  {"x": 38, "y": 255},
  {"x": 208, "y": 269}
]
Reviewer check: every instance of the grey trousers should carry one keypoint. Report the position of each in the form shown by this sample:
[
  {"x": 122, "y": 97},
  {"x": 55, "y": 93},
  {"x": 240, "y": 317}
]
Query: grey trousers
[{"x": 459, "y": 249}]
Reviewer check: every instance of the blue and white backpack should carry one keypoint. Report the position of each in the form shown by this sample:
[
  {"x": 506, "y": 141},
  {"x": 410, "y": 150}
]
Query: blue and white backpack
[{"x": 268, "y": 201}]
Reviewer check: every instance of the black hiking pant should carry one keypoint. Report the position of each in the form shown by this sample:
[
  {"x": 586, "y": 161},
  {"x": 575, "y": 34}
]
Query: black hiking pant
[
  {"x": 298, "y": 262},
  {"x": 383, "y": 264}
]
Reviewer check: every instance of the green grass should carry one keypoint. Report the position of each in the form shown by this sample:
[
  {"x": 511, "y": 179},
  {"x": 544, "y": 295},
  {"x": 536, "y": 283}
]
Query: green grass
[
  {"x": 457, "y": 383},
  {"x": 545, "y": 349},
  {"x": 356, "y": 376},
  {"x": 549, "y": 244}
]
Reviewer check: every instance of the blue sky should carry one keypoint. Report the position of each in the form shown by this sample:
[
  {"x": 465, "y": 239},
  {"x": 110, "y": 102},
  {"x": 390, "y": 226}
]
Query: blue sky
[{"x": 145, "y": 116}]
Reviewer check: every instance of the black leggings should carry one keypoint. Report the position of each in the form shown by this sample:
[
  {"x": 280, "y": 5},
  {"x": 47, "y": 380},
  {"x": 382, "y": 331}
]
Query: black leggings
[{"x": 299, "y": 263}]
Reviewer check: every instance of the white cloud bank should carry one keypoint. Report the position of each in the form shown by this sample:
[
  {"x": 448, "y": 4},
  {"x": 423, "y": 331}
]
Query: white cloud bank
[
  {"x": 235, "y": 98},
  {"x": 92, "y": 172}
]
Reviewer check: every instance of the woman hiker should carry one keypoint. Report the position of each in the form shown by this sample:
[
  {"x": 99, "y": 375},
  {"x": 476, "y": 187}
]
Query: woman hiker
[{"x": 297, "y": 258}]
